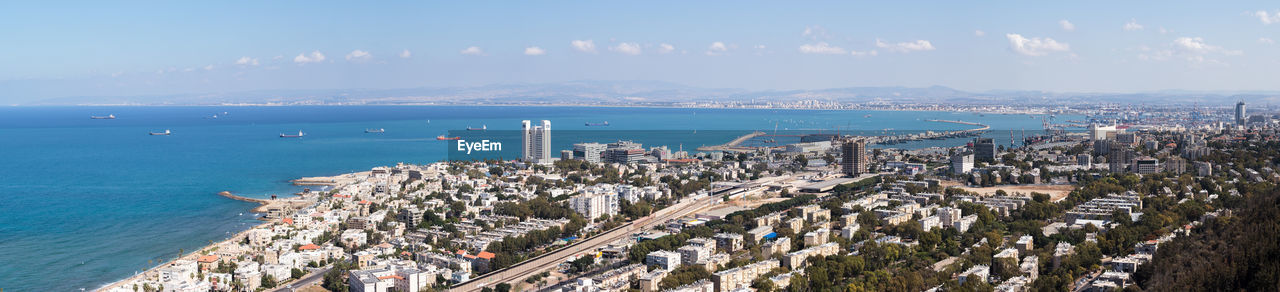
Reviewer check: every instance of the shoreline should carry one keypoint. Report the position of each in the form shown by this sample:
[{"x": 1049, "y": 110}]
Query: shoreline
[
  {"x": 189, "y": 256},
  {"x": 264, "y": 205}
]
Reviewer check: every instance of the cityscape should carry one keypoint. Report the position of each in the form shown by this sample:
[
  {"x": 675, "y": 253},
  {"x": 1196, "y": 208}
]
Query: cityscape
[{"x": 640, "y": 155}]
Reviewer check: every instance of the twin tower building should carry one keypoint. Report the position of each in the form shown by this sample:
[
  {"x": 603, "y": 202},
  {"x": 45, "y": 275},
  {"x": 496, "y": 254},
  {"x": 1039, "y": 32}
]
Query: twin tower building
[{"x": 536, "y": 145}]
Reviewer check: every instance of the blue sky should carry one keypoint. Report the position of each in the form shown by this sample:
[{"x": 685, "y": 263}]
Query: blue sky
[{"x": 57, "y": 49}]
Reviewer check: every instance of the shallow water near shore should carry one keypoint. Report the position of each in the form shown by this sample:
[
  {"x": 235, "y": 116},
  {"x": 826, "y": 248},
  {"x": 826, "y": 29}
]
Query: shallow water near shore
[{"x": 85, "y": 202}]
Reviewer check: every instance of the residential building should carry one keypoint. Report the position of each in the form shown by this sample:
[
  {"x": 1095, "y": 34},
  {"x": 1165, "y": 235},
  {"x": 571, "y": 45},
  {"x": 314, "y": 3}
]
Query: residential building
[
  {"x": 729, "y": 241},
  {"x": 592, "y": 205},
  {"x": 962, "y": 163},
  {"x": 1146, "y": 165},
  {"x": 976, "y": 273},
  {"x": 741, "y": 277},
  {"x": 817, "y": 237},
  {"x": 666, "y": 260},
  {"x": 797, "y": 259},
  {"x": 984, "y": 149},
  {"x": 854, "y": 160}
]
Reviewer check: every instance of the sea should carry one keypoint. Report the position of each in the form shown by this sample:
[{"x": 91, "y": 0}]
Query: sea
[{"x": 86, "y": 202}]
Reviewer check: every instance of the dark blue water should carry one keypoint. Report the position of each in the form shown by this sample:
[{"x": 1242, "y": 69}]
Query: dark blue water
[{"x": 85, "y": 202}]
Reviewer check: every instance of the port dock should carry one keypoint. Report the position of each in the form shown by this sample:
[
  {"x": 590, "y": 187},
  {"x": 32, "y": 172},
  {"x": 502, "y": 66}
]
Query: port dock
[
  {"x": 732, "y": 146},
  {"x": 888, "y": 139}
]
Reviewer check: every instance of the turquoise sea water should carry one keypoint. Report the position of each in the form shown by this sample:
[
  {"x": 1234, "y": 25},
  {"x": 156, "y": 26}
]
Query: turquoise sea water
[{"x": 85, "y": 202}]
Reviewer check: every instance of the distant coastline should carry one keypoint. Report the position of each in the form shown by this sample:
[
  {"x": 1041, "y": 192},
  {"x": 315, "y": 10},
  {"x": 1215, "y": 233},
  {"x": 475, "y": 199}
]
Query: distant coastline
[{"x": 1019, "y": 111}]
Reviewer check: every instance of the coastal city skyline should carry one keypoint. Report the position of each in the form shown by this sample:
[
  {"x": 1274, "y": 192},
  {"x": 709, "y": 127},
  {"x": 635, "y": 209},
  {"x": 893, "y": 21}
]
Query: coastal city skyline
[
  {"x": 170, "y": 48},
  {"x": 709, "y": 146}
]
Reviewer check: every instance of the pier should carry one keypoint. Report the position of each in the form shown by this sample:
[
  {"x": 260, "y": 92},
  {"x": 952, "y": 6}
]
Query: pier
[
  {"x": 245, "y": 199},
  {"x": 931, "y": 135},
  {"x": 733, "y": 145},
  {"x": 268, "y": 204}
]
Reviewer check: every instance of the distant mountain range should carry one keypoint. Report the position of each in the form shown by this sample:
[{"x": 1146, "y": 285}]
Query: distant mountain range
[{"x": 657, "y": 93}]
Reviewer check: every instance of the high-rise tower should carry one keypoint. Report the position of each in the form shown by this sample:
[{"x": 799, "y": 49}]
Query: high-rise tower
[
  {"x": 1240, "y": 118},
  {"x": 537, "y": 142},
  {"x": 853, "y": 157}
]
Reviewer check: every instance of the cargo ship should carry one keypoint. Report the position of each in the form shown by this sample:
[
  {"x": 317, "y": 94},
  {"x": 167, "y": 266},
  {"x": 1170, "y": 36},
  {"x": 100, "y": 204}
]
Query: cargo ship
[
  {"x": 481, "y": 128},
  {"x": 605, "y": 123},
  {"x": 298, "y": 135},
  {"x": 442, "y": 137},
  {"x": 108, "y": 117},
  {"x": 165, "y": 133},
  {"x": 378, "y": 130}
]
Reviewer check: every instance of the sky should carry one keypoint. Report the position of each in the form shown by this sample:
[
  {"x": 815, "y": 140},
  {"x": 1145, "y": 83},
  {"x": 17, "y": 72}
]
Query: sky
[{"x": 57, "y": 49}]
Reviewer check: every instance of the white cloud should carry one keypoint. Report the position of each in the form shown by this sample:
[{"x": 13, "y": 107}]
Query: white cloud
[
  {"x": 209, "y": 67},
  {"x": 1267, "y": 41},
  {"x": 534, "y": 51},
  {"x": 1132, "y": 25},
  {"x": 1035, "y": 46},
  {"x": 979, "y": 33},
  {"x": 473, "y": 51},
  {"x": 247, "y": 61},
  {"x": 359, "y": 55},
  {"x": 406, "y": 54},
  {"x": 1067, "y": 25},
  {"x": 627, "y": 48},
  {"x": 1192, "y": 49},
  {"x": 587, "y": 46},
  {"x": 905, "y": 47},
  {"x": 1198, "y": 46},
  {"x": 666, "y": 48},
  {"x": 871, "y": 53},
  {"x": 314, "y": 57},
  {"x": 717, "y": 48},
  {"x": 821, "y": 48},
  {"x": 1267, "y": 18}
]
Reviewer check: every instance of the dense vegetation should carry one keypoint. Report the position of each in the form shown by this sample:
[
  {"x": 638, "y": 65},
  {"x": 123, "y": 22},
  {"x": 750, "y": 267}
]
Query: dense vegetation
[{"x": 1236, "y": 253}]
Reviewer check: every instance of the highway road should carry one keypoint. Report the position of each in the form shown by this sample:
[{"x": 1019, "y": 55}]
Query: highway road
[
  {"x": 314, "y": 277},
  {"x": 523, "y": 270}
]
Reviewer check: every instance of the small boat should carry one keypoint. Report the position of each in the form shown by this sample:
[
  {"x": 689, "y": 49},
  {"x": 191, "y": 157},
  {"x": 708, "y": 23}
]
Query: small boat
[
  {"x": 605, "y": 123},
  {"x": 867, "y": 116},
  {"x": 442, "y": 137},
  {"x": 481, "y": 128},
  {"x": 108, "y": 117},
  {"x": 378, "y": 130},
  {"x": 165, "y": 133},
  {"x": 298, "y": 135}
]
